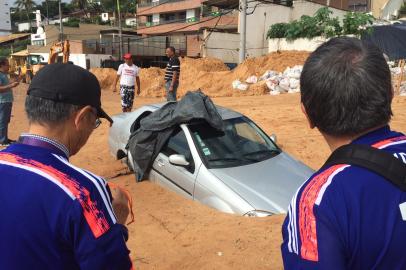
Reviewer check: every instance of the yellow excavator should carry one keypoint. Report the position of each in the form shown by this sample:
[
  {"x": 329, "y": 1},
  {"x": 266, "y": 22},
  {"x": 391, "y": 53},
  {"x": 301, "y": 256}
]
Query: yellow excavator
[{"x": 26, "y": 68}]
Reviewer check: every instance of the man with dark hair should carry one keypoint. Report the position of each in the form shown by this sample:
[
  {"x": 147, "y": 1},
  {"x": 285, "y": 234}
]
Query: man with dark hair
[
  {"x": 172, "y": 74},
  {"x": 56, "y": 215},
  {"x": 348, "y": 216},
  {"x": 6, "y": 101}
]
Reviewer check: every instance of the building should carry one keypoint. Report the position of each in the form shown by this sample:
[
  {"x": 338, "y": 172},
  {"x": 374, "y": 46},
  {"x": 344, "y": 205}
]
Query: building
[
  {"x": 380, "y": 9},
  {"x": 226, "y": 45},
  {"x": 182, "y": 22},
  {"x": 338, "y": 4},
  {"x": 5, "y": 20},
  {"x": 89, "y": 43}
]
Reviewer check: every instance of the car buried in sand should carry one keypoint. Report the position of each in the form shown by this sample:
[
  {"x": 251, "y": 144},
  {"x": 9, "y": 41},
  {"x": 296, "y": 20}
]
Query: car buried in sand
[{"x": 240, "y": 170}]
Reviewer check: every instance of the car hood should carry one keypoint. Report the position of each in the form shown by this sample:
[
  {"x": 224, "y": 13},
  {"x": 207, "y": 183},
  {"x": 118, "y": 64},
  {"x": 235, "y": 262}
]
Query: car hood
[{"x": 268, "y": 185}]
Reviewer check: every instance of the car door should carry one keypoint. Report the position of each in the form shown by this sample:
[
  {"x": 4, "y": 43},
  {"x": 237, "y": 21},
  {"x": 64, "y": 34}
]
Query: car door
[{"x": 180, "y": 179}]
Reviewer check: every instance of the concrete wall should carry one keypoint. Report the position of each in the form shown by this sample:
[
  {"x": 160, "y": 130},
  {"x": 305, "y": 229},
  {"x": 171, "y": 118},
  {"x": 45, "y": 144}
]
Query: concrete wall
[
  {"x": 80, "y": 59},
  {"x": 5, "y": 21},
  {"x": 24, "y": 26},
  {"x": 95, "y": 59},
  {"x": 266, "y": 15},
  {"x": 301, "y": 44},
  {"x": 221, "y": 45},
  {"x": 391, "y": 9}
]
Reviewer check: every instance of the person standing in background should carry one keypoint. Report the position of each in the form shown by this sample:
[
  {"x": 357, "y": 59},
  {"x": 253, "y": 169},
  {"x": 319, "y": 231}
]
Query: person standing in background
[
  {"x": 6, "y": 101},
  {"x": 172, "y": 74},
  {"x": 129, "y": 75}
]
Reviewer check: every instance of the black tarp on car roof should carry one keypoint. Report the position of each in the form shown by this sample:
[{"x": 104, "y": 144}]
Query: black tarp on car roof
[
  {"x": 146, "y": 142},
  {"x": 391, "y": 39}
]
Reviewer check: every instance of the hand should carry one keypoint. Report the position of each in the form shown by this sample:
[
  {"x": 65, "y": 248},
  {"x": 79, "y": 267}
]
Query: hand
[
  {"x": 120, "y": 205},
  {"x": 14, "y": 84},
  {"x": 171, "y": 88}
]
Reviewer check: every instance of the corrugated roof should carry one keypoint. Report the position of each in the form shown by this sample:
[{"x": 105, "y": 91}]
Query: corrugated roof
[
  {"x": 11, "y": 37},
  {"x": 20, "y": 53}
]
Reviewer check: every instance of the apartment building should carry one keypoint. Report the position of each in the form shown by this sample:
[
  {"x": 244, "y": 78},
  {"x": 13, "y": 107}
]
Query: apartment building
[
  {"x": 182, "y": 22},
  {"x": 5, "y": 21}
]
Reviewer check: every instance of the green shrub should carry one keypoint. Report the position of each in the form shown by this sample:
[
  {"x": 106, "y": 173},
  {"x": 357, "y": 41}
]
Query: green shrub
[
  {"x": 322, "y": 24},
  {"x": 277, "y": 30},
  {"x": 356, "y": 23}
]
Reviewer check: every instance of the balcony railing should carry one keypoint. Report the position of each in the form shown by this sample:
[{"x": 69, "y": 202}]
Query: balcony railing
[
  {"x": 149, "y": 3},
  {"x": 162, "y": 22}
]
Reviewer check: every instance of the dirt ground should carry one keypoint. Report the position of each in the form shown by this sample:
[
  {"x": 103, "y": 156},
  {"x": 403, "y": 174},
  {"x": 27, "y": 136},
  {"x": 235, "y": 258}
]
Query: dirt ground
[{"x": 171, "y": 232}]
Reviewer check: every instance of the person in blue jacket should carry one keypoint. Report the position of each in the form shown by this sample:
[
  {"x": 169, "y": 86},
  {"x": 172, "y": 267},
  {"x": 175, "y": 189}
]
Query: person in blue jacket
[
  {"x": 345, "y": 216},
  {"x": 56, "y": 215}
]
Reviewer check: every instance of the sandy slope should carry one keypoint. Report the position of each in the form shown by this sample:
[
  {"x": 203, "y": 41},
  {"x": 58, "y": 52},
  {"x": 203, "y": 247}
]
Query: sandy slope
[{"x": 174, "y": 233}]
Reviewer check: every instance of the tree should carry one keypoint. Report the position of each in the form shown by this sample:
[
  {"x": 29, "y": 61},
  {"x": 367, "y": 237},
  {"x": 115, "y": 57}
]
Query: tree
[
  {"x": 81, "y": 5},
  {"x": 26, "y": 5}
]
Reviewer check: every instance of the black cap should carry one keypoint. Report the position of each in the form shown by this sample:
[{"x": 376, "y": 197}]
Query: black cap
[{"x": 67, "y": 83}]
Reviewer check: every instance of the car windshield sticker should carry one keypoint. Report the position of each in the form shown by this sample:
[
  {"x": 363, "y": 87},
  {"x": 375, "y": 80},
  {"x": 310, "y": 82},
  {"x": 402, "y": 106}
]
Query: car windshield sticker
[
  {"x": 200, "y": 140},
  {"x": 206, "y": 151}
]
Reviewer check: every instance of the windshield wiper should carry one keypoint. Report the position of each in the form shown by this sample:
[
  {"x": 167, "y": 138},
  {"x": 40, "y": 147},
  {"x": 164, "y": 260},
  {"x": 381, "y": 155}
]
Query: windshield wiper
[
  {"x": 225, "y": 159},
  {"x": 268, "y": 151}
]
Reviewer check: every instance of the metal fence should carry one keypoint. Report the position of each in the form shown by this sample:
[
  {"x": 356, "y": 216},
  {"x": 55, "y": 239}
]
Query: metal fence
[{"x": 139, "y": 46}]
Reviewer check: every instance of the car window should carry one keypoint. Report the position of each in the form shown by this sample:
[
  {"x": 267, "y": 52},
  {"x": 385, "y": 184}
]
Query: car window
[
  {"x": 240, "y": 143},
  {"x": 244, "y": 130},
  {"x": 177, "y": 144}
]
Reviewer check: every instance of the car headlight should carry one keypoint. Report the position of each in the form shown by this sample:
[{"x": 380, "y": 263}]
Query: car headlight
[{"x": 258, "y": 213}]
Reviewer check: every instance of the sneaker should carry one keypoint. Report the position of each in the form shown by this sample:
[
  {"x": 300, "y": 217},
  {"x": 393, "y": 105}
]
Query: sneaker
[
  {"x": 11, "y": 141},
  {"x": 4, "y": 144}
]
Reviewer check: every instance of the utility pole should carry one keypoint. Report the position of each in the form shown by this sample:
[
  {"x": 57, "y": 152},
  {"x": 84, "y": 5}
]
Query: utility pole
[
  {"x": 120, "y": 30},
  {"x": 46, "y": 2},
  {"x": 243, "y": 29},
  {"x": 60, "y": 22}
]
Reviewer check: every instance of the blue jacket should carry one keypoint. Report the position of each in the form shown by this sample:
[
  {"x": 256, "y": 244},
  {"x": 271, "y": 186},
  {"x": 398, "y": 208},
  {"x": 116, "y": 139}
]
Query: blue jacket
[
  {"x": 55, "y": 215},
  {"x": 346, "y": 217}
]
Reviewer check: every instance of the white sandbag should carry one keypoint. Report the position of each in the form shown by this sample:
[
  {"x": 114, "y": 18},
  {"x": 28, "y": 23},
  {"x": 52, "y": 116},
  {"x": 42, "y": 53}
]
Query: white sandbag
[
  {"x": 268, "y": 74},
  {"x": 284, "y": 84},
  {"x": 235, "y": 84},
  {"x": 294, "y": 83},
  {"x": 272, "y": 85},
  {"x": 242, "y": 87},
  {"x": 274, "y": 93},
  {"x": 252, "y": 79}
]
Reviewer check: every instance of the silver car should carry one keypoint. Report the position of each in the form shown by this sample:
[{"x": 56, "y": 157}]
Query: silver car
[{"x": 240, "y": 170}]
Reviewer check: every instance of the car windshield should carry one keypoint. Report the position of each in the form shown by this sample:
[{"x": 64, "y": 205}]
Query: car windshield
[{"x": 241, "y": 143}]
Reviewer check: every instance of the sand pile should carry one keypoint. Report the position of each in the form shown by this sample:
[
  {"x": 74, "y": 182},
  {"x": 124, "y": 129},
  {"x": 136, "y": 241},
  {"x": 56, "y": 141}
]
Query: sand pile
[
  {"x": 152, "y": 82},
  {"x": 218, "y": 84},
  {"x": 211, "y": 75},
  {"x": 207, "y": 64},
  {"x": 105, "y": 76}
]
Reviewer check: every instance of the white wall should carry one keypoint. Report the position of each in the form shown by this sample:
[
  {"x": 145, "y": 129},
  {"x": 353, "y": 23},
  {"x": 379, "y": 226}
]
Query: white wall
[
  {"x": 95, "y": 59},
  {"x": 5, "y": 21},
  {"x": 24, "y": 27},
  {"x": 155, "y": 18},
  {"x": 301, "y": 44},
  {"x": 221, "y": 45},
  {"x": 391, "y": 9},
  {"x": 266, "y": 15},
  {"x": 80, "y": 59},
  {"x": 190, "y": 13},
  {"x": 131, "y": 21}
]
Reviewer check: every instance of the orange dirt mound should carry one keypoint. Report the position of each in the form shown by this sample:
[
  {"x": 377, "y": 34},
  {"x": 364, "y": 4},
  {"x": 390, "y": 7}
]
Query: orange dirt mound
[
  {"x": 211, "y": 75},
  {"x": 105, "y": 76}
]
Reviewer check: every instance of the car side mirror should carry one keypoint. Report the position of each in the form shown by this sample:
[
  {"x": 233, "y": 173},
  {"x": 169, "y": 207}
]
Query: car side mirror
[
  {"x": 273, "y": 138},
  {"x": 178, "y": 160}
]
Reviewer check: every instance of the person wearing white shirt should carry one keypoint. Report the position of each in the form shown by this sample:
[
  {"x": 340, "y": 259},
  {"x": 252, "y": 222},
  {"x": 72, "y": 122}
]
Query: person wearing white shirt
[{"x": 129, "y": 76}]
